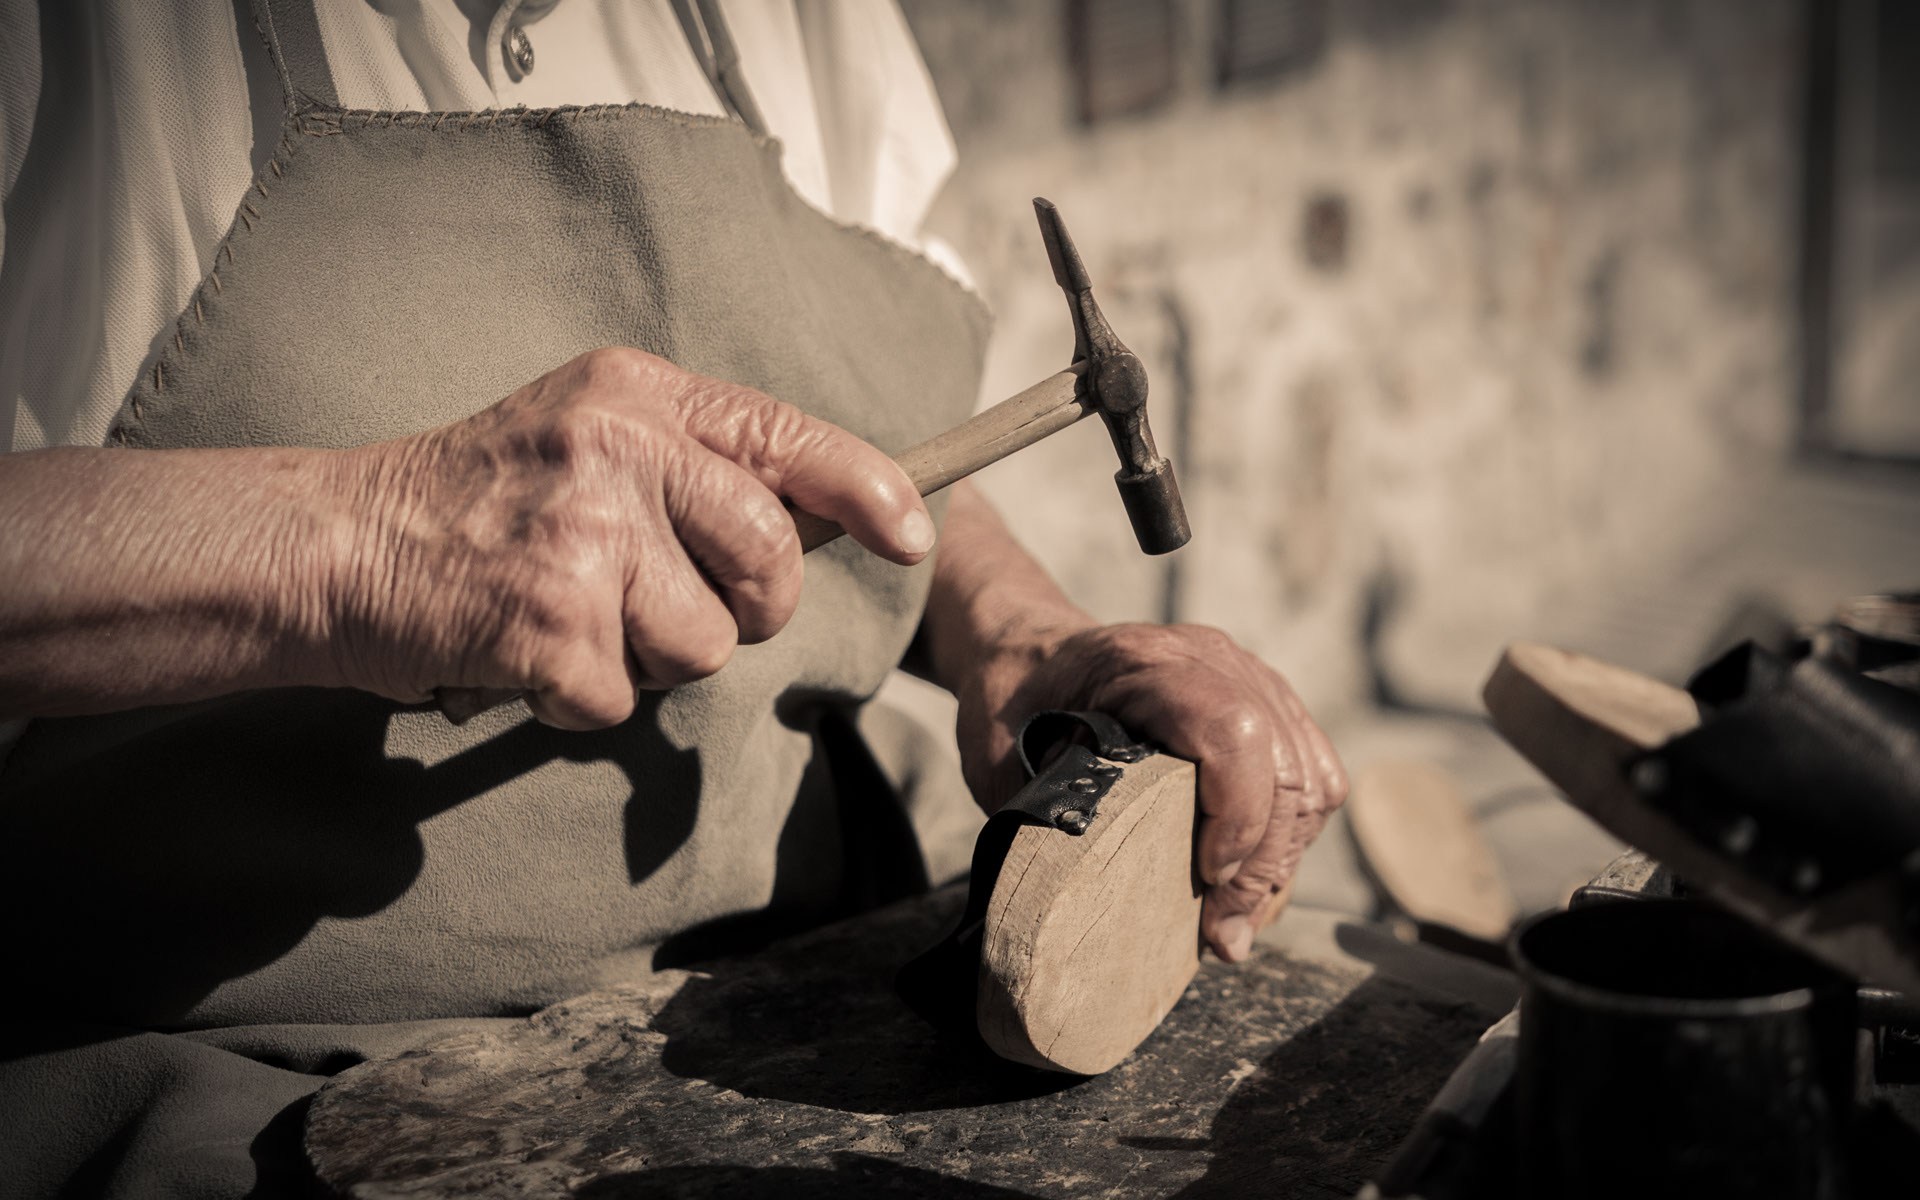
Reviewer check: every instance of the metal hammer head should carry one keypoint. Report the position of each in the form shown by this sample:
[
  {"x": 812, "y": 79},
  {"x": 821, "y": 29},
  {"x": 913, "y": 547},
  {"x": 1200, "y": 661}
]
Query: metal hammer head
[{"x": 1116, "y": 386}]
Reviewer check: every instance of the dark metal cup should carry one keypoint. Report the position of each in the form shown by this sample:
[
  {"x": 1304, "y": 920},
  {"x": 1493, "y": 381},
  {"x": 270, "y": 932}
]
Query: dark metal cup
[{"x": 1669, "y": 1048}]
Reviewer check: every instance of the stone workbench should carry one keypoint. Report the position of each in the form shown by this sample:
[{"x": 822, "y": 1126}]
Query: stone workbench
[{"x": 797, "y": 1072}]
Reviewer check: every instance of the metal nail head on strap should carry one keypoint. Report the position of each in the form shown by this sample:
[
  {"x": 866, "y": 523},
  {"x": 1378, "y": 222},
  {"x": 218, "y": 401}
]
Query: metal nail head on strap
[
  {"x": 1072, "y": 759},
  {"x": 517, "y": 48}
]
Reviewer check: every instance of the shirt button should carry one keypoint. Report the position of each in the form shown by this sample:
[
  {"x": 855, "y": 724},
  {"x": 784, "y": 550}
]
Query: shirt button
[{"x": 518, "y": 49}]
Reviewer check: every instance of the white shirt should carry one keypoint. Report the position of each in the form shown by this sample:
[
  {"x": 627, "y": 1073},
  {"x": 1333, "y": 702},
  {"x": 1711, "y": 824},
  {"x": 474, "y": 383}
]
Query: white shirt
[{"x": 123, "y": 163}]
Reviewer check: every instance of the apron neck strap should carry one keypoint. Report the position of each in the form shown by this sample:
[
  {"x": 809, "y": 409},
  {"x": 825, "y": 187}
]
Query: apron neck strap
[
  {"x": 713, "y": 46},
  {"x": 292, "y": 34}
]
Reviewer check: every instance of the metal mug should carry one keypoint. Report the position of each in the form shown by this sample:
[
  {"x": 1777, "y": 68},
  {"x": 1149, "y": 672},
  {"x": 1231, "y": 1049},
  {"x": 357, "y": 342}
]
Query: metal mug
[{"x": 1670, "y": 1048}]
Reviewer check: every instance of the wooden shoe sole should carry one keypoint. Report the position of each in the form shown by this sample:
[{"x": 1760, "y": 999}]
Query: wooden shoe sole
[
  {"x": 1420, "y": 840},
  {"x": 1089, "y": 941}
]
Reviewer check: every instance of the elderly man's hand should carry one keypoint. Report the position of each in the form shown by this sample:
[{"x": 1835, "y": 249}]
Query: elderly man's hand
[
  {"x": 616, "y": 524},
  {"x": 1009, "y": 645},
  {"x": 1268, "y": 778}
]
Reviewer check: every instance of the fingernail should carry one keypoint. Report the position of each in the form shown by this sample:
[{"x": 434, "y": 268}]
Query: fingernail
[
  {"x": 916, "y": 533},
  {"x": 1236, "y": 936},
  {"x": 1225, "y": 874}
]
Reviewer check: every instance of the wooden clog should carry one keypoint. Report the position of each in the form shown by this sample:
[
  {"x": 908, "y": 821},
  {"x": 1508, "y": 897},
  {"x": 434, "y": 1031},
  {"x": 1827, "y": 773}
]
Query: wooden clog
[
  {"x": 1420, "y": 840},
  {"x": 1586, "y": 723},
  {"x": 1090, "y": 940}
]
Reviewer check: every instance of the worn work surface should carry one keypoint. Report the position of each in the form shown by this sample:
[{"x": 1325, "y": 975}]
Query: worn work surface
[{"x": 797, "y": 1072}]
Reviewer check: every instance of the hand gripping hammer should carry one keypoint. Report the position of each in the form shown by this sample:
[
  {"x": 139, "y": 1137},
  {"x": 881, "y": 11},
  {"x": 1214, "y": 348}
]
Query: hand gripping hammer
[{"x": 1105, "y": 377}]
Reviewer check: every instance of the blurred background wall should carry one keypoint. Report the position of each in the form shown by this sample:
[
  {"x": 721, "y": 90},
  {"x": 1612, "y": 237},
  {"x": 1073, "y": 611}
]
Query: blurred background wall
[{"x": 1459, "y": 313}]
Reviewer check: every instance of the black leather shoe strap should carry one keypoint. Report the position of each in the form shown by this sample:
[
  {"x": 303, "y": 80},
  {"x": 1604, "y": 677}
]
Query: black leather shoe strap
[{"x": 1806, "y": 773}]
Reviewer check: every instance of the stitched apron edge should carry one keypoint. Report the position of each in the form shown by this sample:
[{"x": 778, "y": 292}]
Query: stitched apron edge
[
  {"x": 327, "y": 121},
  {"x": 462, "y": 120}
]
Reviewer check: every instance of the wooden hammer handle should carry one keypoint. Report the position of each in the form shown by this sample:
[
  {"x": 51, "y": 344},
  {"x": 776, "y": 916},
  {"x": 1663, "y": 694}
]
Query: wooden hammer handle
[
  {"x": 1013, "y": 424},
  {"x": 945, "y": 459}
]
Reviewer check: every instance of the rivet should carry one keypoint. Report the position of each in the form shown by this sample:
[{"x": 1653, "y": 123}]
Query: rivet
[
  {"x": 519, "y": 51},
  {"x": 1072, "y": 820},
  {"x": 1738, "y": 839},
  {"x": 1083, "y": 785},
  {"x": 1806, "y": 877},
  {"x": 1649, "y": 776}
]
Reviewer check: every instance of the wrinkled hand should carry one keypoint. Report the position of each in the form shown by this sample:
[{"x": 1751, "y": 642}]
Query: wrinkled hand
[
  {"x": 1268, "y": 778},
  {"x": 616, "y": 524}
]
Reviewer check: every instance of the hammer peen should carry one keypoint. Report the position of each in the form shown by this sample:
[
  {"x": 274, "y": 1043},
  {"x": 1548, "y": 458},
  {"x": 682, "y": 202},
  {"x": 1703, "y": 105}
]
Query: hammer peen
[{"x": 1105, "y": 378}]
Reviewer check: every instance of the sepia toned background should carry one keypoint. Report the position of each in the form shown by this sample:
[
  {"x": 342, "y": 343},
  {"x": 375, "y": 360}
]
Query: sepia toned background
[{"x": 1590, "y": 321}]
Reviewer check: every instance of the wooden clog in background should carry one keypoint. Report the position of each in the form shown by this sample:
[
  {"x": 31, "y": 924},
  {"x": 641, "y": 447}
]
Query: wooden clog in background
[
  {"x": 1584, "y": 723},
  {"x": 1422, "y": 843}
]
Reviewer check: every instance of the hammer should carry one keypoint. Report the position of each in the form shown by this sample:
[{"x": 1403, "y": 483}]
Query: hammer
[{"x": 1105, "y": 377}]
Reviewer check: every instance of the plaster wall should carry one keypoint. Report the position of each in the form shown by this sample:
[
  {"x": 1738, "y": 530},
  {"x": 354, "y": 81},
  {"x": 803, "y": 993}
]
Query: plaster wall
[{"x": 1469, "y": 315}]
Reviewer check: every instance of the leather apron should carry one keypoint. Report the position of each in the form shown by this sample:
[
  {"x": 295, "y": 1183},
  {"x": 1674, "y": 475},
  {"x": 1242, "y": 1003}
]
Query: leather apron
[{"x": 318, "y": 858}]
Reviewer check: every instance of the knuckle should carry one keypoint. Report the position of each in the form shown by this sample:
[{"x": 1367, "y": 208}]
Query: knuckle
[
  {"x": 1239, "y": 823},
  {"x": 1253, "y": 883},
  {"x": 1338, "y": 787},
  {"x": 776, "y": 430},
  {"x": 616, "y": 367},
  {"x": 691, "y": 657},
  {"x": 1208, "y": 638},
  {"x": 754, "y": 559},
  {"x": 1293, "y": 776},
  {"x": 546, "y": 631},
  {"x": 590, "y": 706},
  {"x": 1239, "y": 727},
  {"x": 1244, "y": 893},
  {"x": 1152, "y": 640},
  {"x": 764, "y": 609},
  {"x": 543, "y": 664},
  {"x": 614, "y": 707},
  {"x": 549, "y": 607},
  {"x": 530, "y": 648},
  {"x": 583, "y": 693},
  {"x": 1305, "y": 833},
  {"x": 579, "y": 431},
  {"x": 779, "y": 420},
  {"x": 747, "y": 427},
  {"x": 769, "y": 542},
  {"x": 1241, "y": 837},
  {"x": 1133, "y": 647},
  {"x": 706, "y": 658},
  {"x": 1183, "y": 640},
  {"x": 769, "y": 617}
]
